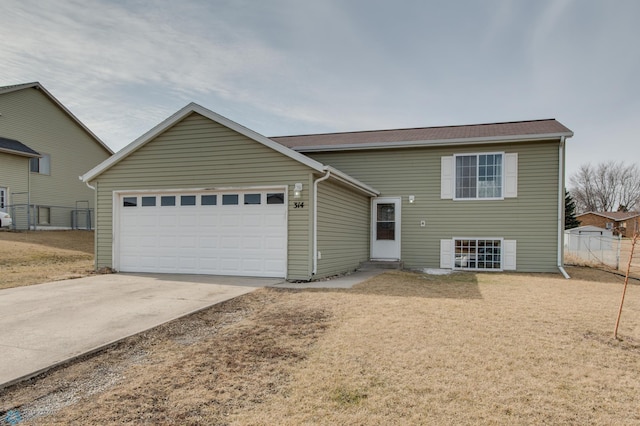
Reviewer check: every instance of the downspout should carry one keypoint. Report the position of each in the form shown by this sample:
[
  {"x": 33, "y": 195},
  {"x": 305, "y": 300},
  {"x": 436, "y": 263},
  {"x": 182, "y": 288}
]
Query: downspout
[
  {"x": 561, "y": 207},
  {"x": 315, "y": 221}
]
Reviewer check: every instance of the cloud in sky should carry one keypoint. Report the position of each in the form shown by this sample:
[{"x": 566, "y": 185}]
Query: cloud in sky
[{"x": 286, "y": 67}]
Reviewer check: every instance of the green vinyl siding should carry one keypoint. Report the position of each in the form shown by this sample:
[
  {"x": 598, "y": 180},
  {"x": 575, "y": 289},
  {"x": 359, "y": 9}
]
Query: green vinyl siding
[
  {"x": 198, "y": 153},
  {"x": 530, "y": 218},
  {"x": 31, "y": 117},
  {"x": 343, "y": 229}
]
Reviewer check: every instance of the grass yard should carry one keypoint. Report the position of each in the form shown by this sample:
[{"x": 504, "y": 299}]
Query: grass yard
[
  {"x": 35, "y": 257},
  {"x": 401, "y": 348}
]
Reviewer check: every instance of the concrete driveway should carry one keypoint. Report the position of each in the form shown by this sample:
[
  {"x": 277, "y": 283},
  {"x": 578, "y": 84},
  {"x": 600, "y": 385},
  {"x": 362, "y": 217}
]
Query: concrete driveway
[{"x": 47, "y": 324}]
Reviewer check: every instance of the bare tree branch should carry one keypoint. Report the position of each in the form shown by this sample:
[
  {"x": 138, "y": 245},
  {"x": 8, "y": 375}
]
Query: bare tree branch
[{"x": 606, "y": 187}]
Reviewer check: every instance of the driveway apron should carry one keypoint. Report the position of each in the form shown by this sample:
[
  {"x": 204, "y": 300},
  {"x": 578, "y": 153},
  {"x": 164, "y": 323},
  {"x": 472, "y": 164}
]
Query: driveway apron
[{"x": 44, "y": 325}]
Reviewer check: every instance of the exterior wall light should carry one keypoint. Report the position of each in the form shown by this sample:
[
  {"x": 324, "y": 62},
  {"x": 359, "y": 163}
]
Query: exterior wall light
[
  {"x": 412, "y": 198},
  {"x": 297, "y": 190}
]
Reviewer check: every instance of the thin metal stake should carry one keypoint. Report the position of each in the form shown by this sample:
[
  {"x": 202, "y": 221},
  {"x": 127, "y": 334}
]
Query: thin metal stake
[{"x": 626, "y": 281}]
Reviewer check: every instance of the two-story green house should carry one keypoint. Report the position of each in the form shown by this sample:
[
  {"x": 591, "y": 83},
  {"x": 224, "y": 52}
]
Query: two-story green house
[
  {"x": 202, "y": 194},
  {"x": 43, "y": 149}
]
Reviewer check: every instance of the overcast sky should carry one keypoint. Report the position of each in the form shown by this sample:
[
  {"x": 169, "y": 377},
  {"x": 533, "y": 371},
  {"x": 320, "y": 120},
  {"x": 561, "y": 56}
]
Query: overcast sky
[{"x": 285, "y": 67}]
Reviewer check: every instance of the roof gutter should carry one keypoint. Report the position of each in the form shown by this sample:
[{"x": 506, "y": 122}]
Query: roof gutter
[
  {"x": 20, "y": 153},
  {"x": 561, "y": 207}
]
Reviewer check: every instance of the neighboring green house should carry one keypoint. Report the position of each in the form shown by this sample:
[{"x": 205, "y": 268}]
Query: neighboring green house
[
  {"x": 202, "y": 194},
  {"x": 43, "y": 149}
]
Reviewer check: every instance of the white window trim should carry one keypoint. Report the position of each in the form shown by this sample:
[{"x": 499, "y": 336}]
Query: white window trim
[
  {"x": 508, "y": 255},
  {"x": 476, "y": 198},
  {"x": 453, "y": 254}
]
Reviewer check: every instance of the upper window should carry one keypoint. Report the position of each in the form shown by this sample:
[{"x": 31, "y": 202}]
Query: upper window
[
  {"x": 478, "y": 176},
  {"x": 41, "y": 165}
]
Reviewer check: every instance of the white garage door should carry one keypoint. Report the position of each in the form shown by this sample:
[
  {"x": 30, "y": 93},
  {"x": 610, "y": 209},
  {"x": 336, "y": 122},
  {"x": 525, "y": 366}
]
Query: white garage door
[{"x": 224, "y": 233}]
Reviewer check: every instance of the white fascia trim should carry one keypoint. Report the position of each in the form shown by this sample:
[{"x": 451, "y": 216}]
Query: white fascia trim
[
  {"x": 20, "y": 153},
  {"x": 345, "y": 178},
  {"x": 431, "y": 143},
  {"x": 179, "y": 115}
]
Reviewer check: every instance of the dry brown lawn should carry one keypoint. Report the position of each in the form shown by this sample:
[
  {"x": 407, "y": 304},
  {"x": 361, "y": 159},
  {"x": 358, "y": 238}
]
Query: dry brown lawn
[
  {"x": 401, "y": 348},
  {"x": 35, "y": 257}
]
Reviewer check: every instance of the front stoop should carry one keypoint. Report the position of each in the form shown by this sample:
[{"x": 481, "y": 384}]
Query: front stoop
[{"x": 381, "y": 264}]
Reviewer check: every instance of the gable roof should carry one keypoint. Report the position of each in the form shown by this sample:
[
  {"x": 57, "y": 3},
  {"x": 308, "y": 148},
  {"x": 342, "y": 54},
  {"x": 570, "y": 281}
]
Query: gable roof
[
  {"x": 615, "y": 216},
  {"x": 195, "y": 108},
  {"x": 12, "y": 146},
  {"x": 428, "y": 136},
  {"x": 36, "y": 85}
]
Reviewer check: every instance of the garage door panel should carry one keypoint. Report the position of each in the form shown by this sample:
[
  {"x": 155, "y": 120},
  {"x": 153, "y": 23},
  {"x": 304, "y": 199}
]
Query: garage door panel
[
  {"x": 203, "y": 239},
  {"x": 229, "y": 242}
]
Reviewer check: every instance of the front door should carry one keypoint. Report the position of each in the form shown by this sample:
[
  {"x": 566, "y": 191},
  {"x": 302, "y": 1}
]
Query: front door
[{"x": 385, "y": 227}]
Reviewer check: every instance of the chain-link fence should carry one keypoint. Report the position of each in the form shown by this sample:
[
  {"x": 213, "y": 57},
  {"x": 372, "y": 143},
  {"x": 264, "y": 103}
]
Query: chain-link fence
[{"x": 32, "y": 216}]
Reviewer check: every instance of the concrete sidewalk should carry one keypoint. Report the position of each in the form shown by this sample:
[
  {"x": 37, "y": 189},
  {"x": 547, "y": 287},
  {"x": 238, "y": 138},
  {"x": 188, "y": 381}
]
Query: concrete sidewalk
[
  {"x": 44, "y": 325},
  {"x": 344, "y": 281}
]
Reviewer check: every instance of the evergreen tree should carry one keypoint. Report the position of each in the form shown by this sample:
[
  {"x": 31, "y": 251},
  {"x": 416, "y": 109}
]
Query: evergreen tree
[{"x": 570, "y": 220}]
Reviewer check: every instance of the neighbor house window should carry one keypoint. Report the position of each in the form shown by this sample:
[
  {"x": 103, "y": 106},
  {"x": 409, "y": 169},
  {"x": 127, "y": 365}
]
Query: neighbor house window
[
  {"x": 478, "y": 254},
  {"x": 478, "y": 176},
  {"x": 44, "y": 215},
  {"x": 41, "y": 165}
]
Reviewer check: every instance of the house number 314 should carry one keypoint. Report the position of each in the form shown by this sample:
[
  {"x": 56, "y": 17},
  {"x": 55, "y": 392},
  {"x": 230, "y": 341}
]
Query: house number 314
[{"x": 298, "y": 205}]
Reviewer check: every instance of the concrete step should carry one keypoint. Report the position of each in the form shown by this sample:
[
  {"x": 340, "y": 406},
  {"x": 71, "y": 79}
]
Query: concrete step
[{"x": 381, "y": 264}]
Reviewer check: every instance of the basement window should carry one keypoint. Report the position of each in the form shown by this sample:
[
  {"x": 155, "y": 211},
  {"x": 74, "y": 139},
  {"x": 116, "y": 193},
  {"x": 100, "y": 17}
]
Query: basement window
[{"x": 478, "y": 254}]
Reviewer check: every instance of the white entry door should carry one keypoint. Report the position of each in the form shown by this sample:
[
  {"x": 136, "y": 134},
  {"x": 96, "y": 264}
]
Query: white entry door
[{"x": 385, "y": 229}]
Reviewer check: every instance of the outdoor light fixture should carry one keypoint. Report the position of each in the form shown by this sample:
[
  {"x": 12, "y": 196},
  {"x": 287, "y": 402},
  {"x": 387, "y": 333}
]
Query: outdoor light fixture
[
  {"x": 412, "y": 198},
  {"x": 297, "y": 190}
]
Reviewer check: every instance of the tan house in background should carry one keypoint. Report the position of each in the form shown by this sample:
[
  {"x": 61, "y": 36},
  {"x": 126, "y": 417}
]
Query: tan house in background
[
  {"x": 621, "y": 223},
  {"x": 43, "y": 150}
]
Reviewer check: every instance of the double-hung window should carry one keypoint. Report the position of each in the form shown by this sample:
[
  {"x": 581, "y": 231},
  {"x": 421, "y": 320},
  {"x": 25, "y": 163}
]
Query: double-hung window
[{"x": 478, "y": 176}]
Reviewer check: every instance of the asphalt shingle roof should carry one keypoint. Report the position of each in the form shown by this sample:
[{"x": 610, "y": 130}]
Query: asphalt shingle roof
[
  {"x": 617, "y": 216},
  {"x": 514, "y": 129},
  {"x": 12, "y": 145}
]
